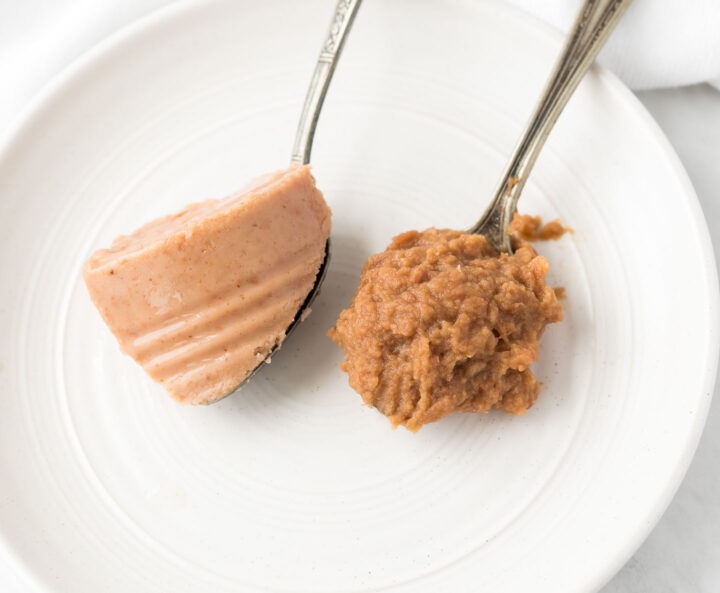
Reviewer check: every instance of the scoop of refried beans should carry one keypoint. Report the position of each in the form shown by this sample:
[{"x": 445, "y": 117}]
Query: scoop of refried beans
[{"x": 441, "y": 323}]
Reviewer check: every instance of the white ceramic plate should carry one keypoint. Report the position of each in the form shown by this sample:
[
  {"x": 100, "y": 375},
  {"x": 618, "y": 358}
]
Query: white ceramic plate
[{"x": 292, "y": 485}]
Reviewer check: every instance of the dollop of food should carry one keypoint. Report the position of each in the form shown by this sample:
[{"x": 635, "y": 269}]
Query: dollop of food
[
  {"x": 201, "y": 297},
  {"x": 442, "y": 323}
]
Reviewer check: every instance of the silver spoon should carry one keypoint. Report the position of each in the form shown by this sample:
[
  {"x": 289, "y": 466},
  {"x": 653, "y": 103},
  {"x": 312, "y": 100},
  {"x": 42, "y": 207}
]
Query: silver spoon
[
  {"x": 592, "y": 27},
  {"x": 342, "y": 21}
]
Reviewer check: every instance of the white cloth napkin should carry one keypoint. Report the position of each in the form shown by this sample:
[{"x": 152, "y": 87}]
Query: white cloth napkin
[{"x": 659, "y": 43}]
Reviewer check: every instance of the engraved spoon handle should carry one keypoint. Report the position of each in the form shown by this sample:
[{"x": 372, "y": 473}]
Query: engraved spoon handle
[
  {"x": 342, "y": 21},
  {"x": 592, "y": 27}
]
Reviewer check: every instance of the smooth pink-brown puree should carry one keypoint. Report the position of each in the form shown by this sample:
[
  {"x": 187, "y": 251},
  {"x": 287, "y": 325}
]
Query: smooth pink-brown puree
[{"x": 199, "y": 298}]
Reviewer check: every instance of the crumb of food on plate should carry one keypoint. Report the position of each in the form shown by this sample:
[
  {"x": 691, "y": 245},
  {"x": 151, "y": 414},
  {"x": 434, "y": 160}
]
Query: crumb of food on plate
[
  {"x": 531, "y": 228},
  {"x": 442, "y": 323},
  {"x": 199, "y": 298},
  {"x": 560, "y": 293}
]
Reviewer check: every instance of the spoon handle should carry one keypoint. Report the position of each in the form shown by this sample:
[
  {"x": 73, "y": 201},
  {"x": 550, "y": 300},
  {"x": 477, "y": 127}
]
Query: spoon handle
[
  {"x": 342, "y": 21},
  {"x": 592, "y": 27}
]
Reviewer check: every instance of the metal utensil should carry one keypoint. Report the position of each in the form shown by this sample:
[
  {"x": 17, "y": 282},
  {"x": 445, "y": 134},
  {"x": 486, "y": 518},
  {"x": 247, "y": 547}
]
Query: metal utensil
[
  {"x": 592, "y": 27},
  {"x": 342, "y": 21}
]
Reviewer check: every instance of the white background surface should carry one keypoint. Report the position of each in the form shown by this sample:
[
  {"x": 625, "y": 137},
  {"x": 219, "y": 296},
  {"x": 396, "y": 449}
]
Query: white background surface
[{"x": 40, "y": 37}]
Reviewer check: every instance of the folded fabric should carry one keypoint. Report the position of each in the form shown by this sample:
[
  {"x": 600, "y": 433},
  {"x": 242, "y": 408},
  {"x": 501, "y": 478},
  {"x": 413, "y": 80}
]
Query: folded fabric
[{"x": 659, "y": 43}]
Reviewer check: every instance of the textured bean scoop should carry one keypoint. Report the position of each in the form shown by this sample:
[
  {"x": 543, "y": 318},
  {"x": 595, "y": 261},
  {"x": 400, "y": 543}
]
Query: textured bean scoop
[{"x": 441, "y": 323}]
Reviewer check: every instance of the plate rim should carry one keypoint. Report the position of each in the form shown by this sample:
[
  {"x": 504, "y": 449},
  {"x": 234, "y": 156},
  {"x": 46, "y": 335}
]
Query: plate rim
[{"x": 80, "y": 66}]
